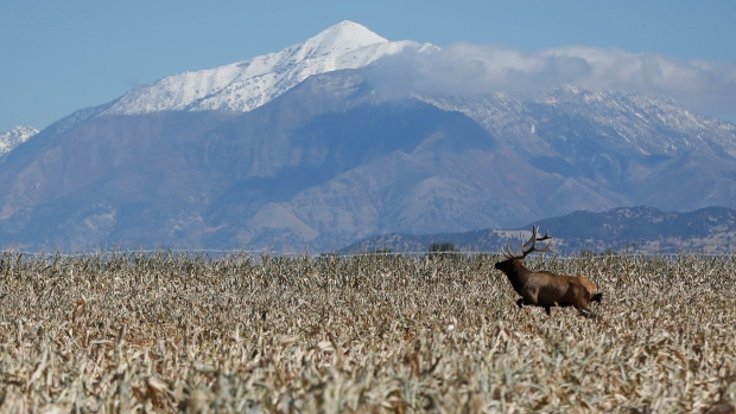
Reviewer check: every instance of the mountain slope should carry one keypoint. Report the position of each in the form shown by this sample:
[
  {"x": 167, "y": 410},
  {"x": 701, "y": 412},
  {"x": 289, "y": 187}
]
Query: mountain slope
[
  {"x": 644, "y": 147},
  {"x": 280, "y": 176}
]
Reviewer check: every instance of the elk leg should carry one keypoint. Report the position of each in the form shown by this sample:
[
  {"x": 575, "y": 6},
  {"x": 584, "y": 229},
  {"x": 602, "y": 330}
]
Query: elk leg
[
  {"x": 547, "y": 309},
  {"x": 520, "y": 302}
]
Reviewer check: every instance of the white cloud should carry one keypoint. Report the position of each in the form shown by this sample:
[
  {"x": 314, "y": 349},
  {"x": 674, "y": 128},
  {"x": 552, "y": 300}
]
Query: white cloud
[{"x": 702, "y": 86}]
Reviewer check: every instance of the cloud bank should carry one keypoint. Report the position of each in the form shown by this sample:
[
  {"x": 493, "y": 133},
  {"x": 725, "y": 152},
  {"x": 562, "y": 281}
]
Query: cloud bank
[{"x": 467, "y": 69}]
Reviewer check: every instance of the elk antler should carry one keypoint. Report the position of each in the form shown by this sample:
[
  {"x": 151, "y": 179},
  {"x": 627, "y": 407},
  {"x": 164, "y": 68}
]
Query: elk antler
[{"x": 530, "y": 245}]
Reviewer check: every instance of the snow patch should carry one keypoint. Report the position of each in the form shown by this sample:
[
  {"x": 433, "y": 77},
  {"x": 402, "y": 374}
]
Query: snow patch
[{"x": 9, "y": 140}]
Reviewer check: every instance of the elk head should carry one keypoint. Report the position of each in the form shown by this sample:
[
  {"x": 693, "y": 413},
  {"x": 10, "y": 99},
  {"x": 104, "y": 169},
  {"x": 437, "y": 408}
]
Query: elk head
[{"x": 516, "y": 259}]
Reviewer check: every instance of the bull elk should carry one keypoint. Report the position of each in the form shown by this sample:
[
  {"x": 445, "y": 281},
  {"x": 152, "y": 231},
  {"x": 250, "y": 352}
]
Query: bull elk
[{"x": 546, "y": 289}]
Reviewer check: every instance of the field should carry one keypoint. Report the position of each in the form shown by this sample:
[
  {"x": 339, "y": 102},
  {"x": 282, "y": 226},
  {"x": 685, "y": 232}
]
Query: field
[{"x": 166, "y": 333}]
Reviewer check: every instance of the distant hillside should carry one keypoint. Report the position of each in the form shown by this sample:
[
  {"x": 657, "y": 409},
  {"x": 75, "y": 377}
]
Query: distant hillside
[{"x": 627, "y": 229}]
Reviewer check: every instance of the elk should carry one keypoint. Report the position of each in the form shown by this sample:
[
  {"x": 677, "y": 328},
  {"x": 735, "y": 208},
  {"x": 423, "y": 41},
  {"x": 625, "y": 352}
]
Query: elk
[{"x": 546, "y": 289}]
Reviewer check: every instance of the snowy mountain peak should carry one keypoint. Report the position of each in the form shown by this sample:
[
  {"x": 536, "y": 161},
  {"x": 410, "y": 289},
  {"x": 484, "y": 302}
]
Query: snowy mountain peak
[
  {"x": 14, "y": 137},
  {"x": 346, "y": 35},
  {"x": 246, "y": 85}
]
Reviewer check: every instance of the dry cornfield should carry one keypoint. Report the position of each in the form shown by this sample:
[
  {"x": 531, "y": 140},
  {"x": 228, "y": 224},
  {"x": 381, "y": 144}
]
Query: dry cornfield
[{"x": 164, "y": 333}]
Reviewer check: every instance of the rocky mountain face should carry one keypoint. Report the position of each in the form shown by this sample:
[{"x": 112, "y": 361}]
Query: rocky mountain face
[
  {"x": 304, "y": 150},
  {"x": 627, "y": 230},
  {"x": 622, "y": 149}
]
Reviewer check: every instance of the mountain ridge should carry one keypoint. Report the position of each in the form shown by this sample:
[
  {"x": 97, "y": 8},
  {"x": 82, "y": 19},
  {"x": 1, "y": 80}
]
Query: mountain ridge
[
  {"x": 249, "y": 84},
  {"x": 623, "y": 230}
]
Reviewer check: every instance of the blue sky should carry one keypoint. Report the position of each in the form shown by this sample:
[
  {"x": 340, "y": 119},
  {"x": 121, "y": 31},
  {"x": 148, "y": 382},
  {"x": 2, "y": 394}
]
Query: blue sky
[{"x": 61, "y": 56}]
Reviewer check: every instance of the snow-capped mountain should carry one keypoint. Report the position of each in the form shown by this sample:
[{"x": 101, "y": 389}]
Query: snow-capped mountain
[
  {"x": 246, "y": 85},
  {"x": 330, "y": 141},
  {"x": 14, "y": 137}
]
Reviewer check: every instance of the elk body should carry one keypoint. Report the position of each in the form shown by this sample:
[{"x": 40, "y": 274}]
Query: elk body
[{"x": 546, "y": 289}]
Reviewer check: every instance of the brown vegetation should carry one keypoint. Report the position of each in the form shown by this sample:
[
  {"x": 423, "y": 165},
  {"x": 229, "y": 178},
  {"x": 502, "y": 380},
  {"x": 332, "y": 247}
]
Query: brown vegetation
[{"x": 375, "y": 333}]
